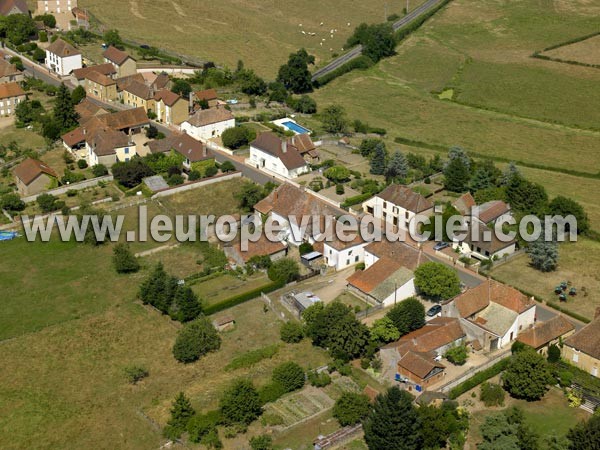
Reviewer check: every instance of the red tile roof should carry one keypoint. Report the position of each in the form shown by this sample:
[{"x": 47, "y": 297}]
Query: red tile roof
[
  {"x": 587, "y": 339},
  {"x": 30, "y": 169},
  {"x": 207, "y": 94},
  {"x": 7, "y": 69},
  {"x": 99, "y": 78},
  {"x": 367, "y": 280},
  {"x": 419, "y": 364},
  {"x": 62, "y": 49},
  {"x": 542, "y": 333},
  {"x": 169, "y": 98},
  {"x": 490, "y": 211},
  {"x": 262, "y": 247},
  {"x": 271, "y": 143},
  {"x": 400, "y": 252},
  {"x": 6, "y": 6},
  {"x": 436, "y": 334},
  {"x": 476, "y": 299},
  {"x": 9, "y": 90},
  {"x": 204, "y": 117},
  {"x": 105, "y": 69},
  {"x": 115, "y": 55},
  {"x": 406, "y": 198},
  {"x": 464, "y": 204}
]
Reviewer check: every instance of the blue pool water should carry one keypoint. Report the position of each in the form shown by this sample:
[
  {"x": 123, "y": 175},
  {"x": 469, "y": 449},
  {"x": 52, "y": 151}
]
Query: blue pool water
[
  {"x": 7, "y": 235},
  {"x": 295, "y": 127}
]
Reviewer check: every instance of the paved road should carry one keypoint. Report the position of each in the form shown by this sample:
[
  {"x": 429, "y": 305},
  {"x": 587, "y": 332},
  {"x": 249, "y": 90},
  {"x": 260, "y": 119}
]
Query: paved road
[
  {"x": 248, "y": 171},
  {"x": 356, "y": 51}
]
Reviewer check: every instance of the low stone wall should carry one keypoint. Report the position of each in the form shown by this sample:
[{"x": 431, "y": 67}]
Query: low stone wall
[
  {"x": 197, "y": 184},
  {"x": 74, "y": 186}
]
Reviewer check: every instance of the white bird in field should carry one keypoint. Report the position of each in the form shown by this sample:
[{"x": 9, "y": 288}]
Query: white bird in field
[
  {"x": 321, "y": 44},
  {"x": 348, "y": 23},
  {"x": 342, "y": 48},
  {"x": 335, "y": 30},
  {"x": 330, "y": 49},
  {"x": 321, "y": 24},
  {"x": 299, "y": 24},
  {"x": 323, "y": 40},
  {"x": 331, "y": 31},
  {"x": 303, "y": 32}
]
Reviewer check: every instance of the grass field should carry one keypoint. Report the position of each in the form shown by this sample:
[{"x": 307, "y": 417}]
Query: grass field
[
  {"x": 551, "y": 416},
  {"x": 220, "y": 288},
  {"x": 578, "y": 263},
  {"x": 262, "y": 34},
  {"x": 586, "y": 52}
]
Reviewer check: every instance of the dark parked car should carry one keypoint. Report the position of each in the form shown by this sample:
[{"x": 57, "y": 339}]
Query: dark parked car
[
  {"x": 440, "y": 245},
  {"x": 434, "y": 310}
]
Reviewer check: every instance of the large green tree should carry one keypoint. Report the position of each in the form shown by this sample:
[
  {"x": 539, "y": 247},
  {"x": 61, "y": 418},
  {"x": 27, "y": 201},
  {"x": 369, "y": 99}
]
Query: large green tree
[
  {"x": 437, "y": 280},
  {"x": 384, "y": 330},
  {"x": 457, "y": 175},
  {"x": 334, "y": 119},
  {"x": 295, "y": 75},
  {"x": 351, "y": 408},
  {"x": 158, "y": 289},
  {"x": 407, "y": 316},
  {"x": 284, "y": 270},
  {"x": 17, "y": 28},
  {"x": 527, "y": 375},
  {"x": 393, "y": 423},
  {"x": 378, "y": 161},
  {"x": 585, "y": 435},
  {"x": 525, "y": 196},
  {"x": 564, "y": 206},
  {"x": 185, "y": 306},
  {"x": 196, "y": 339},
  {"x": 240, "y": 403},
  {"x": 124, "y": 260},
  {"x": 397, "y": 168},
  {"x": 443, "y": 425},
  {"x": 378, "y": 40},
  {"x": 543, "y": 254},
  {"x": 181, "y": 413},
  {"x": 289, "y": 375},
  {"x": 64, "y": 111}
]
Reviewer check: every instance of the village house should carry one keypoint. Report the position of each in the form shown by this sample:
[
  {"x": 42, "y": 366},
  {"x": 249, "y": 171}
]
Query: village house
[
  {"x": 55, "y": 6},
  {"x": 95, "y": 135},
  {"x": 62, "y": 58},
  {"x": 191, "y": 149},
  {"x": 340, "y": 255},
  {"x": 33, "y": 176},
  {"x": 170, "y": 107},
  {"x": 208, "y": 95},
  {"x": 306, "y": 147},
  {"x": 398, "y": 205},
  {"x": 100, "y": 86},
  {"x": 11, "y": 95},
  {"x": 206, "y": 124},
  {"x": 9, "y": 73},
  {"x": 270, "y": 153},
  {"x": 139, "y": 95},
  {"x": 582, "y": 349},
  {"x": 105, "y": 69},
  {"x": 87, "y": 108},
  {"x": 482, "y": 243},
  {"x": 492, "y": 314},
  {"x": 491, "y": 212},
  {"x": 106, "y": 146},
  {"x": 262, "y": 247},
  {"x": 544, "y": 334},
  {"x": 388, "y": 276},
  {"x": 288, "y": 204},
  {"x": 415, "y": 356},
  {"x": 9, "y": 7},
  {"x": 123, "y": 63}
]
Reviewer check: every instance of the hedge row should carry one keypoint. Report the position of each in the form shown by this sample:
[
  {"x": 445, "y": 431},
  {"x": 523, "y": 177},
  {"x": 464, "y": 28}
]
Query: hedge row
[
  {"x": 241, "y": 298},
  {"x": 565, "y": 61},
  {"x": 567, "y": 312},
  {"x": 361, "y": 62},
  {"x": 572, "y": 41},
  {"x": 405, "y": 31},
  {"x": 441, "y": 148},
  {"x": 351, "y": 201},
  {"x": 201, "y": 277},
  {"x": 478, "y": 378}
]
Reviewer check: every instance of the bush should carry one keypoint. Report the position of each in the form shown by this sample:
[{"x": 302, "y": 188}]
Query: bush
[
  {"x": 211, "y": 171},
  {"x": 238, "y": 299},
  {"x": 99, "y": 170},
  {"x": 291, "y": 332},
  {"x": 135, "y": 374},
  {"x": 227, "y": 166},
  {"x": 124, "y": 260},
  {"x": 196, "y": 339},
  {"x": 290, "y": 375},
  {"x": 270, "y": 392},
  {"x": 565, "y": 378},
  {"x": 175, "y": 179},
  {"x": 457, "y": 355},
  {"x": 263, "y": 442},
  {"x": 361, "y": 62},
  {"x": 47, "y": 203},
  {"x": 284, "y": 270},
  {"x": 478, "y": 378},
  {"x": 492, "y": 394},
  {"x": 203, "y": 425},
  {"x": 12, "y": 203},
  {"x": 351, "y": 408},
  {"x": 237, "y": 137},
  {"x": 339, "y": 189},
  {"x": 305, "y": 248},
  {"x": 82, "y": 163},
  {"x": 240, "y": 403},
  {"x": 71, "y": 193},
  {"x": 553, "y": 353},
  {"x": 318, "y": 379},
  {"x": 252, "y": 357}
]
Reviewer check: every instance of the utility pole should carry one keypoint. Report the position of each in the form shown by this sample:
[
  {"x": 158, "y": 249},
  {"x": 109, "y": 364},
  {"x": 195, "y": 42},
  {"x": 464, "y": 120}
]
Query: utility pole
[{"x": 407, "y": 6}]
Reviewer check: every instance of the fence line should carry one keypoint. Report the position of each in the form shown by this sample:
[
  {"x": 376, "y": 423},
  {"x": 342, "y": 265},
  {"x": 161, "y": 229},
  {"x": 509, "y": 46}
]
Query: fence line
[
  {"x": 68, "y": 187},
  {"x": 474, "y": 370},
  {"x": 196, "y": 184}
]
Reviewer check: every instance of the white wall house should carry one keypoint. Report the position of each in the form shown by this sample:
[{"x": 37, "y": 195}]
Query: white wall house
[
  {"x": 398, "y": 205},
  {"x": 270, "y": 153},
  {"x": 341, "y": 255},
  {"x": 206, "y": 124},
  {"x": 62, "y": 58},
  {"x": 482, "y": 243}
]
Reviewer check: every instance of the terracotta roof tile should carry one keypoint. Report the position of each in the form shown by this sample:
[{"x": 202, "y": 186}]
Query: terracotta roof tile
[
  {"x": 169, "y": 98},
  {"x": 419, "y": 364},
  {"x": 262, "y": 247},
  {"x": 490, "y": 211},
  {"x": 404, "y": 254},
  {"x": 9, "y": 90},
  {"x": 288, "y": 154},
  {"x": 205, "y": 117},
  {"x": 99, "y": 78},
  {"x": 86, "y": 108},
  {"x": 543, "y": 333},
  {"x": 7, "y": 69},
  {"x": 207, "y": 94},
  {"x": 115, "y": 55},
  {"x": 587, "y": 339},
  {"x": 437, "y": 333},
  {"x": 62, "y": 49},
  {"x": 406, "y": 198},
  {"x": 6, "y": 6},
  {"x": 30, "y": 169},
  {"x": 105, "y": 69}
]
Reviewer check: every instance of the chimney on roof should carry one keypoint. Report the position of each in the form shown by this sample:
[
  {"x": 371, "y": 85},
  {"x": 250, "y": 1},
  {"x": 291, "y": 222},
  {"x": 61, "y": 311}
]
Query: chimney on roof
[{"x": 284, "y": 146}]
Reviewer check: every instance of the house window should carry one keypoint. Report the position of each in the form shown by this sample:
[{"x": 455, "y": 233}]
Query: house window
[
  {"x": 356, "y": 258},
  {"x": 350, "y": 252},
  {"x": 395, "y": 210},
  {"x": 347, "y": 262},
  {"x": 575, "y": 357},
  {"x": 127, "y": 150},
  {"x": 384, "y": 205}
]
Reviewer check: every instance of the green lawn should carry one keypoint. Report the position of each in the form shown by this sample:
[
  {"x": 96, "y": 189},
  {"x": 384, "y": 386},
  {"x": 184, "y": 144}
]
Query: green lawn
[
  {"x": 578, "y": 263},
  {"x": 220, "y": 288}
]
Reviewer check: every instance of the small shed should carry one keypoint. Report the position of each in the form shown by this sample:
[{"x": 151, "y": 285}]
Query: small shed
[
  {"x": 224, "y": 323},
  {"x": 309, "y": 258},
  {"x": 304, "y": 300}
]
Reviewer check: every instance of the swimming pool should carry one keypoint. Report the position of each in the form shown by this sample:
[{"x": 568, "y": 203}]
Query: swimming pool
[
  {"x": 7, "y": 235},
  {"x": 295, "y": 127}
]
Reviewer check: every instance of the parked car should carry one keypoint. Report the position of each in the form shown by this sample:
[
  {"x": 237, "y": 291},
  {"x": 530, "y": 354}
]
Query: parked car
[
  {"x": 434, "y": 310},
  {"x": 440, "y": 245}
]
